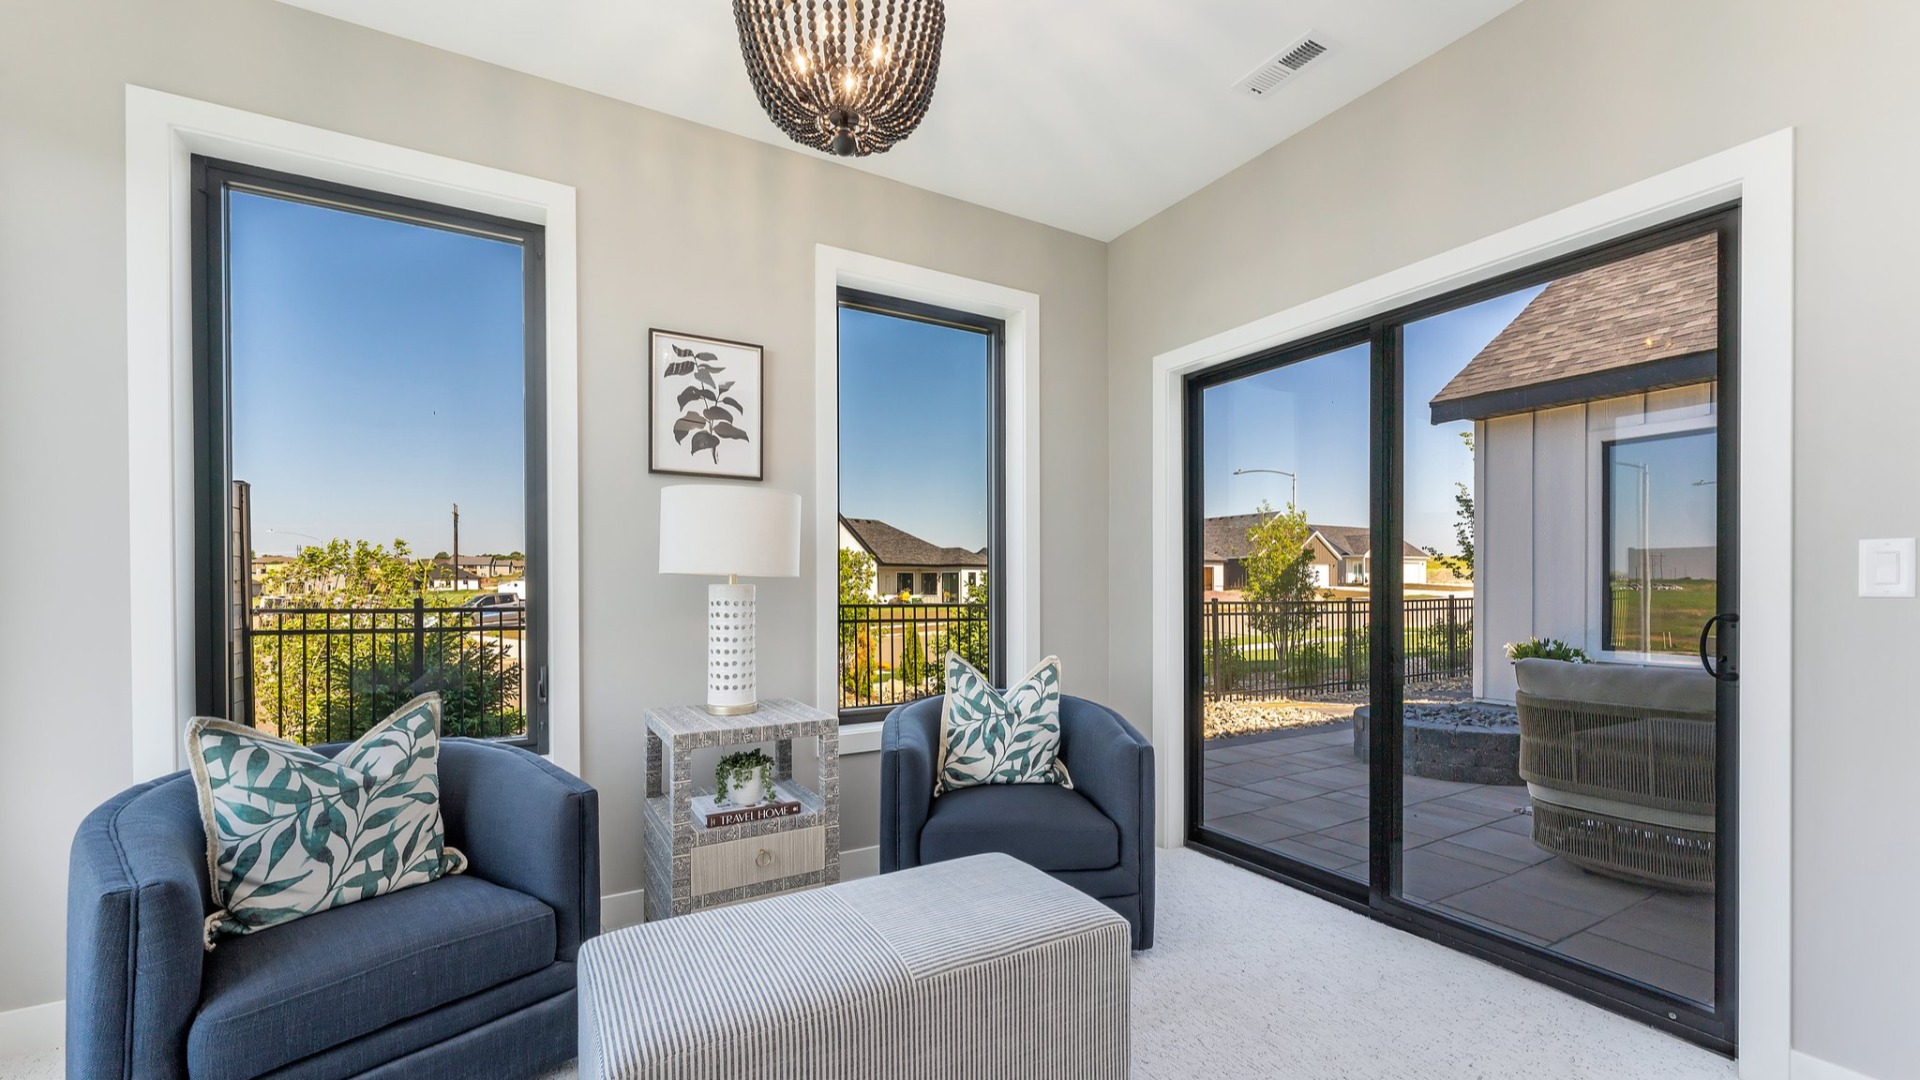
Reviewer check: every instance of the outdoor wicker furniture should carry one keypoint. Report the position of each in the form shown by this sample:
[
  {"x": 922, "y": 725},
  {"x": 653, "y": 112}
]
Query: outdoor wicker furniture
[{"x": 1619, "y": 761}]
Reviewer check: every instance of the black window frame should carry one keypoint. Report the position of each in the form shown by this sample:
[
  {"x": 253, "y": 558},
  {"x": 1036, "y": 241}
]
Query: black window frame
[
  {"x": 1714, "y": 1026},
  {"x": 212, "y": 179},
  {"x": 1605, "y": 599},
  {"x": 995, "y": 331}
]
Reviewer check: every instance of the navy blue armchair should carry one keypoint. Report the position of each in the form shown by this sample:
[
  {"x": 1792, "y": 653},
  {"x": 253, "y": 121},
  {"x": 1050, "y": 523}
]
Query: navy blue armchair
[
  {"x": 470, "y": 975},
  {"x": 1096, "y": 836}
]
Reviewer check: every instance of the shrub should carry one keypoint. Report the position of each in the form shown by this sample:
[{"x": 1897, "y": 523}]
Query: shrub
[{"x": 1547, "y": 649}]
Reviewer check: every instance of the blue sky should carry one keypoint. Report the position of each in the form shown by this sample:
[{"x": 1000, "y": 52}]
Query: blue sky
[
  {"x": 378, "y": 378},
  {"x": 1311, "y": 418},
  {"x": 913, "y": 427},
  {"x": 1682, "y": 507}
]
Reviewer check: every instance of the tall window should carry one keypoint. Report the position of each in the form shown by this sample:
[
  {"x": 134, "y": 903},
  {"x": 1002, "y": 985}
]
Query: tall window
[
  {"x": 370, "y": 493},
  {"x": 920, "y": 483}
]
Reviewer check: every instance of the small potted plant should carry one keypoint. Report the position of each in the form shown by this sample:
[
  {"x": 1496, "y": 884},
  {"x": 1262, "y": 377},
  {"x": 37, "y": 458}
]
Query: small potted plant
[
  {"x": 1547, "y": 649},
  {"x": 745, "y": 778}
]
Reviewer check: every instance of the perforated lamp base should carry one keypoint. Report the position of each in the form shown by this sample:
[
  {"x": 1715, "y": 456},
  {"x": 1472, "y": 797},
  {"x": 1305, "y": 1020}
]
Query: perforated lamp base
[{"x": 731, "y": 687}]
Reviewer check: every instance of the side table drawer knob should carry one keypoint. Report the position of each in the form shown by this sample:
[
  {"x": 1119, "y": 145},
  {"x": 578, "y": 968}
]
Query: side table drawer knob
[{"x": 763, "y": 859}]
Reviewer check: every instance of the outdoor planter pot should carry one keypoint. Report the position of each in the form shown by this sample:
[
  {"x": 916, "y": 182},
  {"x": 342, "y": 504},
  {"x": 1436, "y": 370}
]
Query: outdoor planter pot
[{"x": 1619, "y": 760}]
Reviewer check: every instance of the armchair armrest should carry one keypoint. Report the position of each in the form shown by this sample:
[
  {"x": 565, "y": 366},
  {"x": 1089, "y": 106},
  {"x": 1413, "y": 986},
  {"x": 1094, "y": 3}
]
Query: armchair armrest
[
  {"x": 137, "y": 899},
  {"x": 909, "y": 747},
  {"x": 529, "y": 825},
  {"x": 1111, "y": 764}
]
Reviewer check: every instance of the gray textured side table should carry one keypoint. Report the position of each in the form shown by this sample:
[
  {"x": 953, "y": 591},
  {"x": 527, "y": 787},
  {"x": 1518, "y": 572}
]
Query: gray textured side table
[{"x": 689, "y": 866}]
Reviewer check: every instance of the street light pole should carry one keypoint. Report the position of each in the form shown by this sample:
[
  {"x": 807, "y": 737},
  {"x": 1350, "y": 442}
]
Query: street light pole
[
  {"x": 1646, "y": 555},
  {"x": 1293, "y": 502}
]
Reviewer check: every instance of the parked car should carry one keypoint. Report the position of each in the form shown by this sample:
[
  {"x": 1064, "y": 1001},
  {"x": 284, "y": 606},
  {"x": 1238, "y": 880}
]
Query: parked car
[{"x": 495, "y": 609}]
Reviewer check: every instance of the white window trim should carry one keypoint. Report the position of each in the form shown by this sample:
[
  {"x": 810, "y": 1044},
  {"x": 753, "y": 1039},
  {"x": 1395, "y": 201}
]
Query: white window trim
[
  {"x": 1761, "y": 175},
  {"x": 1706, "y": 418},
  {"x": 164, "y": 131},
  {"x": 835, "y": 268}
]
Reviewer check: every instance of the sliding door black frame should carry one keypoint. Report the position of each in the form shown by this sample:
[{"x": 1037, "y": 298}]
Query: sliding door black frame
[
  {"x": 212, "y": 180},
  {"x": 1380, "y": 896},
  {"x": 995, "y": 331}
]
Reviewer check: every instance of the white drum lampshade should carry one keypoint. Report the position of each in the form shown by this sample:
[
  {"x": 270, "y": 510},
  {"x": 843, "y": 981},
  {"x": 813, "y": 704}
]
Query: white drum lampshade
[{"x": 716, "y": 530}]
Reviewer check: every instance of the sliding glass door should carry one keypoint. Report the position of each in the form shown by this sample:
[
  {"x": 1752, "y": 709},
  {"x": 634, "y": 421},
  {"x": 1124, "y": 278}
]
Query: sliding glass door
[{"x": 1461, "y": 620}]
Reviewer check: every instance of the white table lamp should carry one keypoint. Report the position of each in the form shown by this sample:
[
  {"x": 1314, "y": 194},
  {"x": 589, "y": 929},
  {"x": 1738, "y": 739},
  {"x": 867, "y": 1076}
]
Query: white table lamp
[{"x": 715, "y": 529}]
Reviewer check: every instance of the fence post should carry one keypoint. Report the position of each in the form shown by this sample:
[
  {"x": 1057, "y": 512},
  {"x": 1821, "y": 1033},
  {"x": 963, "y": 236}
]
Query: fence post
[
  {"x": 419, "y": 640},
  {"x": 1346, "y": 641},
  {"x": 1453, "y": 630},
  {"x": 1213, "y": 637}
]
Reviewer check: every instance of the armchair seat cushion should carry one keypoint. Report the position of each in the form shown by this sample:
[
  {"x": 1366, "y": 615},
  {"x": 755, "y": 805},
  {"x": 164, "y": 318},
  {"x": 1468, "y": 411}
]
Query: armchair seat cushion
[
  {"x": 296, "y": 989},
  {"x": 1046, "y": 826}
]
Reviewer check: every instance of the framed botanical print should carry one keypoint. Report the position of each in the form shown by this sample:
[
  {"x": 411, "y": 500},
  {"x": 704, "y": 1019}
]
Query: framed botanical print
[{"x": 706, "y": 414}]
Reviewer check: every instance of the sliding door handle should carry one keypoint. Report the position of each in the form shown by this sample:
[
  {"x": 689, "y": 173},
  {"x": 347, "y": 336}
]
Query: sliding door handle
[{"x": 1725, "y": 670}]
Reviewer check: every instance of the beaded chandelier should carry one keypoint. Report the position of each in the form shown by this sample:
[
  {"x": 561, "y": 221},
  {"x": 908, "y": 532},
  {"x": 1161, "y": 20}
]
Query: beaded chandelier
[{"x": 848, "y": 76}]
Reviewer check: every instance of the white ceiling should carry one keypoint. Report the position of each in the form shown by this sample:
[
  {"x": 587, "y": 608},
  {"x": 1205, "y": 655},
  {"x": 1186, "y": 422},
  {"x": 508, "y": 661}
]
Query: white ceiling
[{"x": 1090, "y": 115}]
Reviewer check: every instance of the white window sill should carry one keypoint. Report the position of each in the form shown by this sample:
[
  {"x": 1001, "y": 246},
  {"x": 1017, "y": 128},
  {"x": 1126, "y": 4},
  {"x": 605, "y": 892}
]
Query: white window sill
[{"x": 861, "y": 738}]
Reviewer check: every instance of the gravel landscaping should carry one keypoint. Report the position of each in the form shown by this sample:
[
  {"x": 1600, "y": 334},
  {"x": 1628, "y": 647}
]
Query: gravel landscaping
[{"x": 1308, "y": 709}]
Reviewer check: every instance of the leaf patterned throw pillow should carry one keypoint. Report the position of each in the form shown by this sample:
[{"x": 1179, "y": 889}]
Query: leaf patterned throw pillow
[
  {"x": 987, "y": 737},
  {"x": 291, "y": 832}
]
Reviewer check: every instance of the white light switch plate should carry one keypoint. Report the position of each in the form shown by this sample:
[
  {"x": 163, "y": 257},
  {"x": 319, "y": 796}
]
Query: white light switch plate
[{"x": 1886, "y": 567}]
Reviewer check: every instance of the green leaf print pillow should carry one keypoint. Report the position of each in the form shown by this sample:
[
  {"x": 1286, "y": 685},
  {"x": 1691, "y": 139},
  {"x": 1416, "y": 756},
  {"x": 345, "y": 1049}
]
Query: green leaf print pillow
[
  {"x": 987, "y": 737},
  {"x": 291, "y": 832}
]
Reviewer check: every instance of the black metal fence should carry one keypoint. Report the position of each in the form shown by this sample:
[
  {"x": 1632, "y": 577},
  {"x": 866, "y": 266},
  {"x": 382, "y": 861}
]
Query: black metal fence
[
  {"x": 328, "y": 674},
  {"x": 894, "y": 653},
  {"x": 1252, "y": 649}
]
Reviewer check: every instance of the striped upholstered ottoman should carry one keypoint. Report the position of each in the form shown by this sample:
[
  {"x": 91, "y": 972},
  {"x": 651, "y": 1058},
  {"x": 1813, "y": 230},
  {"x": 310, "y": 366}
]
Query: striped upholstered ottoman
[{"x": 981, "y": 967}]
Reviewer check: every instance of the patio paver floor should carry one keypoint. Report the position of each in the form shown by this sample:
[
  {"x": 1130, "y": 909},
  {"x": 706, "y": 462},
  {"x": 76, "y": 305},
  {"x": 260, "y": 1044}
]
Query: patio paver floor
[{"x": 1469, "y": 853}]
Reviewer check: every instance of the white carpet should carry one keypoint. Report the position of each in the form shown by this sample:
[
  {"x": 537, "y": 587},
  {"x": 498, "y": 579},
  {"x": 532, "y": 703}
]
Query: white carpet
[{"x": 1249, "y": 978}]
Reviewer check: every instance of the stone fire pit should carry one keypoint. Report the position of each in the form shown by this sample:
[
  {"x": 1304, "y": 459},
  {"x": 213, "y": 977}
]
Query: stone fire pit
[{"x": 1468, "y": 742}]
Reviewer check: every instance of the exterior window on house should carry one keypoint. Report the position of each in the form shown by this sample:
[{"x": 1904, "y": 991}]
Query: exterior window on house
[
  {"x": 1660, "y": 548},
  {"x": 919, "y": 487},
  {"x": 369, "y": 437}
]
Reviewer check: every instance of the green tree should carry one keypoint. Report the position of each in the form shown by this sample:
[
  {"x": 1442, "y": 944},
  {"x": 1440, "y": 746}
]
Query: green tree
[
  {"x": 350, "y": 573},
  {"x": 914, "y": 669},
  {"x": 344, "y": 657},
  {"x": 968, "y": 634},
  {"x": 1279, "y": 572},
  {"x": 859, "y": 666},
  {"x": 1461, "y": 565}
]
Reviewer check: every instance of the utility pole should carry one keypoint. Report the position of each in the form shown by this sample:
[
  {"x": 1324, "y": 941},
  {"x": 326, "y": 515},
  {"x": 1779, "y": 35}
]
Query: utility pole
[{"x": 456, "y": 547}]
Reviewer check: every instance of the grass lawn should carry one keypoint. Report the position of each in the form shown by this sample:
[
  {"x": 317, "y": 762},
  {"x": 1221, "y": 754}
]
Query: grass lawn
[{"x": 1679, "y": 609}]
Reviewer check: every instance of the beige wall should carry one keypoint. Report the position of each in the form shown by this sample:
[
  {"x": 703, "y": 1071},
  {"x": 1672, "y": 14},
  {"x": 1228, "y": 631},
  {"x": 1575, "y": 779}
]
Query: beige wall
[
  {"x": 1555, "y": 102},
  {"x": 680, "y": 226}
]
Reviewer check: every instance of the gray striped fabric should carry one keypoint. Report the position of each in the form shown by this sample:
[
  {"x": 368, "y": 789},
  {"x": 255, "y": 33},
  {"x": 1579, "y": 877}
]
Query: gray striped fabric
[{"x": 979, "y": 967}]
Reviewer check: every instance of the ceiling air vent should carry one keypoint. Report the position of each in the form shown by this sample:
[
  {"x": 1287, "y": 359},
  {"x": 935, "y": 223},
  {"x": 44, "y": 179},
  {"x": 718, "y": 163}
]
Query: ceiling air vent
[{"x": 1268, "y": 76}]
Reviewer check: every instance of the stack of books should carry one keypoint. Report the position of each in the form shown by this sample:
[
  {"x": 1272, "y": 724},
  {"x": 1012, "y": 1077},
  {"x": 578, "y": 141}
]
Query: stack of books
[{"x": 712, "y": 813}]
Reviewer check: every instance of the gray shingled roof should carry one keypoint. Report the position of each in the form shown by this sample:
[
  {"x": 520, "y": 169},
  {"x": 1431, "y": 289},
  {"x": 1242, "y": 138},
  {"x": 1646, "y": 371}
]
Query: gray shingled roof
[
  {"x": 896, "y": 547},
  {"x": 1224, "y": 538},
  {"x": 1611, "y": 319}
]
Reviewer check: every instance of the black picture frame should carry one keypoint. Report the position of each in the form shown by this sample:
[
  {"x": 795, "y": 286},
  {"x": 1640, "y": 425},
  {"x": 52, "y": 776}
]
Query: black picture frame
[{"x": 730, "y": 419}]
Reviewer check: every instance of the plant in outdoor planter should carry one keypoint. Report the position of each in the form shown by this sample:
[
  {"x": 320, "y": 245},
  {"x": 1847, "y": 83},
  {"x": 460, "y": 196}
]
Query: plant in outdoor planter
[
  {"x": 745, "y": 778},
  {"x": 1547, "y": 649}
]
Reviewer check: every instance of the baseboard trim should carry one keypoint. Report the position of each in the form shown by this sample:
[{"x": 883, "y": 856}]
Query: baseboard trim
[
  {"x": 33, "y": 1029},
  {"x": 623, "y": 909},
  {"x": 1805, "y": 1066},
  {"x": 860, "y": 862}
]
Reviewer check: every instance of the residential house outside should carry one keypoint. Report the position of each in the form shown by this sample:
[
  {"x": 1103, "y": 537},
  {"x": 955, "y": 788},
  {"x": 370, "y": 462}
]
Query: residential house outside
[
  {"x": 1603, "y": 367},
  {"x": 906, "y": 565},
  {"x": 1342, "y": 557}
]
